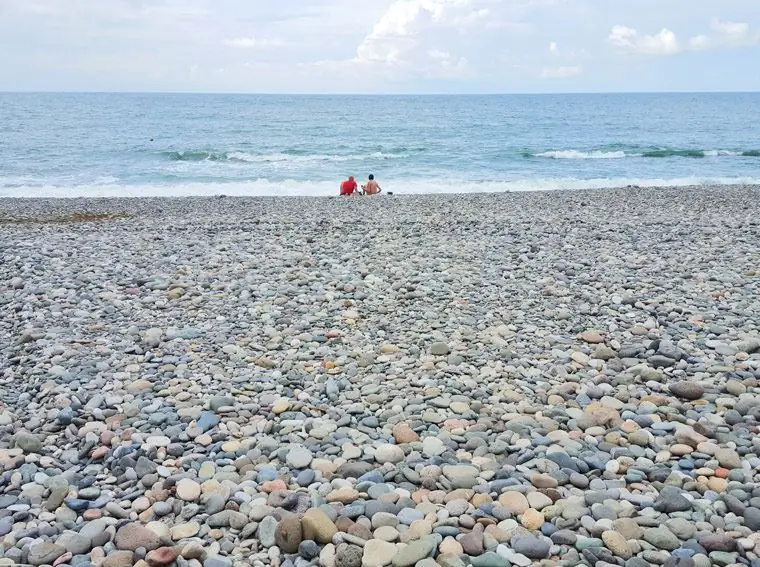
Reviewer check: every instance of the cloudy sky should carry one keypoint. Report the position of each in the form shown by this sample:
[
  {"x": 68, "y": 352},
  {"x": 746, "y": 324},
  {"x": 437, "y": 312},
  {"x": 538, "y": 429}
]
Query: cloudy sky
[{"x": 380, "y": 46}]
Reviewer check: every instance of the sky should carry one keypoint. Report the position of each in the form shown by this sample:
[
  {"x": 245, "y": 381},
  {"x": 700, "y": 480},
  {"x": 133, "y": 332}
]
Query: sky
[{"x": 380, "y": 46}]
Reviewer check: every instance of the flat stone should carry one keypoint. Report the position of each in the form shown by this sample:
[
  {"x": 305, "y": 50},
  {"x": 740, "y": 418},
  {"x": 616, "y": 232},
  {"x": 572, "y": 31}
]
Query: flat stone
[
  {"x": 414, "y": 552},
  {"x": 133, "y": 536},
  {"x": 389, "y": 454},
  {"x": 687, "y": 390},
  {"x": 188, "y": 490},
  {"x": 299, "y": 457},
  {"x": 490, "y": 559},
  {"x": 515, "y": 502},
  {"x": 661, "y": 538},
  {"x": 44, "y": 553},
  {"x": 378, "y": 553},
  {"x": 531, "y": 546}
]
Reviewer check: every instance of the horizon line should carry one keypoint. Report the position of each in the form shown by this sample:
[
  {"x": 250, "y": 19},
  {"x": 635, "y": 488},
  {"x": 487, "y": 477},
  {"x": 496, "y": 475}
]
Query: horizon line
[{"x": 388, "y": 94}]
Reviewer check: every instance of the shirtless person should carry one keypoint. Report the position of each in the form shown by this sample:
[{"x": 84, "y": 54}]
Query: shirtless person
[{"x": 372, "y": 187}]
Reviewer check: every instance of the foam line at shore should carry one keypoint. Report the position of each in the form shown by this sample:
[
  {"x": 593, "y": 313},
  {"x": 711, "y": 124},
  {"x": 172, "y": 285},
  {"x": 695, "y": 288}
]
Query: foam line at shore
[{"x": 265, "y": 188}]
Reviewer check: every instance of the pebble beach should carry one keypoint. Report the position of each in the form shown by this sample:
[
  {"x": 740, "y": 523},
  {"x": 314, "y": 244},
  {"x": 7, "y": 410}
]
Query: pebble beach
[{"x": 551, "y": 378}]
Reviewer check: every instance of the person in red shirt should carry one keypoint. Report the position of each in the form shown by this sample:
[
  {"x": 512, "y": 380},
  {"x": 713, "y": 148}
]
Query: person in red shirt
[{"x": 348, "y": 187}]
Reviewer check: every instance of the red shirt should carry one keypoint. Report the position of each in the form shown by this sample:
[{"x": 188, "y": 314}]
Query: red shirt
[{"x": 348, "y": 187}]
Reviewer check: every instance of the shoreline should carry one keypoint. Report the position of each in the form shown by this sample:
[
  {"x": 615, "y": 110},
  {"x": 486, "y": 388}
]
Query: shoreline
[
  {"x": 398, "y": 193},
  {"x": 401, "y": 194}
]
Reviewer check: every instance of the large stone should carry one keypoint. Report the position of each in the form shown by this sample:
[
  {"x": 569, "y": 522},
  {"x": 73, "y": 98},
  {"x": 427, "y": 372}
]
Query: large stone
[
  {"x": 188, "y": 490},
  {"x": 752, "y": 518},
  {"x": 718, "y": 542},
  {"x": 266, "y": 532},
  {"x": 491, "y": 559},
  {"x": 671, "y": 500},
  {"x": 389, "y": 454},
  {"x": 601, "y": 415},
  {"x": 318, "y": 526},
  {"x": 433, "y": 447},
  {"x": 44, "y": 553},
  {"x": 289, "y": 534},
  {"x": 439, "y": 349},
  {"x": 348, "y": 556},
  {"x": 617, "y": 544},
  {"x": 461, "y": 476},
  {"x": 74, "y": 543},
  {"x": 183, "y": 531},
  {"x": 299, "y": 457},
  {"x": 59, "y": 489},
  {"x": 162, "y": 556},
  {"x": 133, "y": 536},
  {"x": 378, "y": 553},
  {"x": 592, "y": 337},
  {"x": 27, "y": 442},
  {"x": 515, "y": 502},
  {"x": 687, "y": 390},
  {"x": 144, "y": 467},
  {"x": 662, "y": 538},
  {"x": 728, "y": 458},
  {"x": 415, "y": 551},
  {"x": 119, "y": 559},
  {"x": 402, "y": 433},
  {"x": 531, "y": 546}
]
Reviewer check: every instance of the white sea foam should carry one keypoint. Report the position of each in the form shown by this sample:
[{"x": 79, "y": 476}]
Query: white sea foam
[
  {"x": 266, "y": 188},
  {"x": 278, "y": 157},
  {"x": 619, "y": 154},
  {"x": 577, "y": 154}
]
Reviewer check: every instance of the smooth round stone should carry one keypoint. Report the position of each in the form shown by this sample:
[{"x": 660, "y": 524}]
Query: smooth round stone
[
  {"x": 188, "y": 490},
  {"x": 389, "y": 454},
  {"x": 299, "y": 457},
  {"x": 305, "y": 477},
  {"x": 386, "y": 533},
  {"x": 267, "y": 474}
]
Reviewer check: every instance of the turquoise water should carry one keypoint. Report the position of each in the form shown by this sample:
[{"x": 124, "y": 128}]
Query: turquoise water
[{"x": 166, "y": 144}]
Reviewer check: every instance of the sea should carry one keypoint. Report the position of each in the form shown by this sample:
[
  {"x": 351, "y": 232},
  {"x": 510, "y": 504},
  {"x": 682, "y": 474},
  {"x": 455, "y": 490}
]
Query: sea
[{"x": 137, "y": 145}]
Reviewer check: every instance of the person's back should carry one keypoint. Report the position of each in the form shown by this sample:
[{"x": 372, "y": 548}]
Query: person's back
[
  {"x": 372, "y": 187},
  {"x": 348, "y": 187}
]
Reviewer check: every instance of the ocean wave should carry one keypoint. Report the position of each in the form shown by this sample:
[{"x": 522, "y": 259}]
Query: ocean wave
[
  {"x": 297, "y": 156},
  {"x": 657, "y": 153},
  {"x": 576, "y": 154},
  {"x": 301, "y": 188}
]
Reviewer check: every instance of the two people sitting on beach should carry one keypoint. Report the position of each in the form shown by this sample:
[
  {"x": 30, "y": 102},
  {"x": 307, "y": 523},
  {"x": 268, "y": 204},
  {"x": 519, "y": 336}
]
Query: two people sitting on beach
[{"x": 350, "y": 187}]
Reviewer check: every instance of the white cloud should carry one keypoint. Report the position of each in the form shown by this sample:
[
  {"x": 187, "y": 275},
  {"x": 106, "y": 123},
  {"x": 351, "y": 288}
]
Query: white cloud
[
  {"x": 737, "y": 30},
  {"x": 418, "y": 33},
  {"x": 562, "y": 72},
  {"x": 553, "y": 48},
  {"x": 663, "y": 43},
  {"x": 727, "y": 35},
  {"x": 253, "y": 43}
]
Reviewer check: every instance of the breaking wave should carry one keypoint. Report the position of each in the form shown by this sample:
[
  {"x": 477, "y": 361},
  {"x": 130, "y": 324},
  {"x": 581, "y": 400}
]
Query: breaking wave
[{"x": 654, "y": 153}]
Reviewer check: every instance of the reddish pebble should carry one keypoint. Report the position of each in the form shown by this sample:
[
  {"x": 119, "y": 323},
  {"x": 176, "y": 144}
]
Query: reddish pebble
[
  {"x": 65, "y": 558},
  {"x": 456, "y": 424},
  {"x": 99, "y": 453},
  {"x": 273, "y": 485},
  {"x": 92, "y": 514},
  {"x": 721, "y": 473},
  {"x": 162, "y": 556}
]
